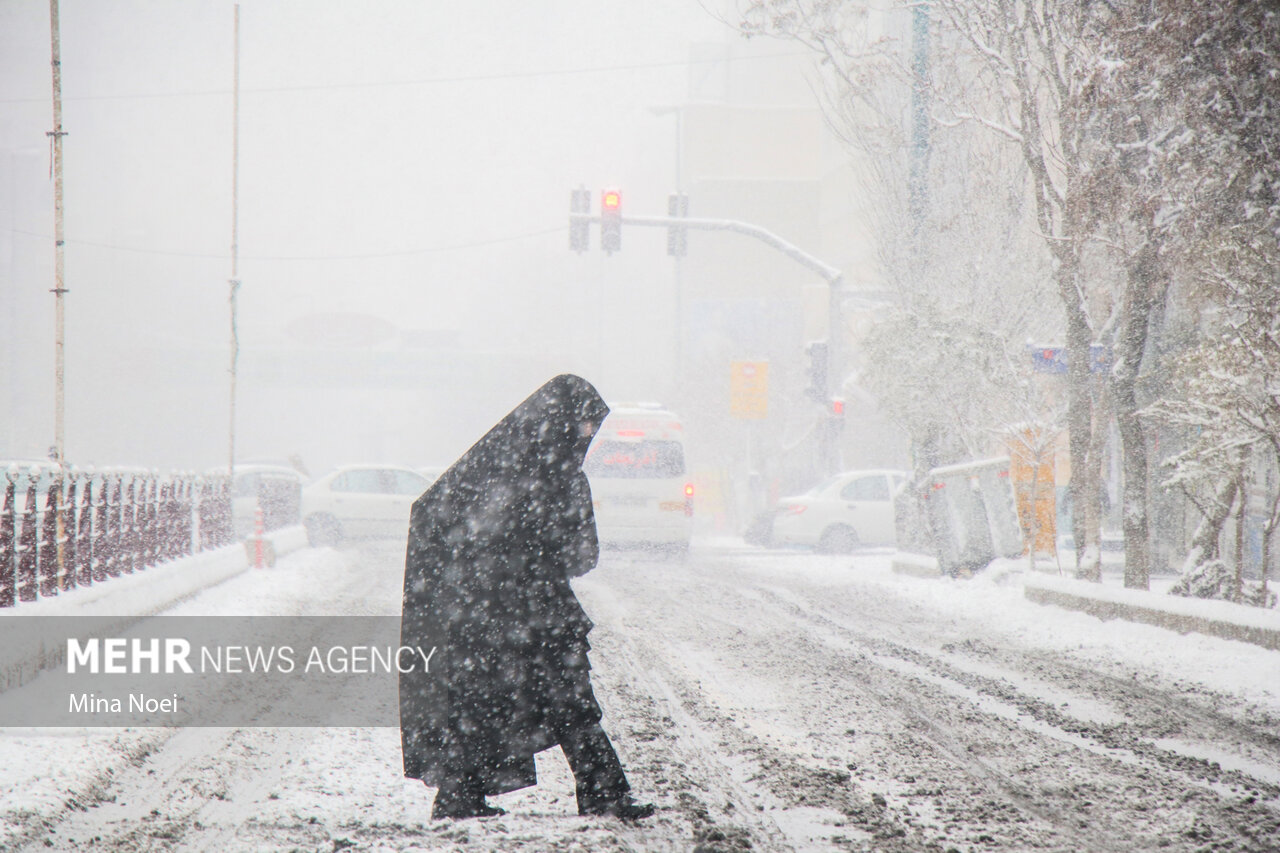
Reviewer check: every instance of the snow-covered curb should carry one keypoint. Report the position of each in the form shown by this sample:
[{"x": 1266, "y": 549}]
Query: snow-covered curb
[
  {"x": 1215, "y": 618},
  {"x": 118, "y": 603}
]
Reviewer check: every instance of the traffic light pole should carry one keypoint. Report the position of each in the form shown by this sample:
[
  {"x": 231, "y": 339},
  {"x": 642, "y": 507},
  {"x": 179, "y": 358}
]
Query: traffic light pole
[{"x": 833, "y": 276}]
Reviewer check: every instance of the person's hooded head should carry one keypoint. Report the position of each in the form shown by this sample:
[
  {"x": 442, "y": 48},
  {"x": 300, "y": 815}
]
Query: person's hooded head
[{"x": 520, "y": 488}]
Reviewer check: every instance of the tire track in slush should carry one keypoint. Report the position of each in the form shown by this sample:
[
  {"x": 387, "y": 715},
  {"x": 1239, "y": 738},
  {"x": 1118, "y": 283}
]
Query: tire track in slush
[
  {"x": 1126, "y": 694},
  {"x": 1254, "y": 813},
  {"x": 882, "y": 825},
  {"x": 951, "y": 746},
  {"x": 1034, "y": 713},
  {"x": 791, "y": 804},
  {"x": 907, "y": 691}
]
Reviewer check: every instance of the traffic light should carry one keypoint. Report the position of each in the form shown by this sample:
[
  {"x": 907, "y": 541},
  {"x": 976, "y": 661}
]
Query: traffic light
[
  {"x": 579, "y": 228},
  {"x": 611, "y": 221},
  {"x": 816, "y": 370},
  {"x": 677, "y": 235}
]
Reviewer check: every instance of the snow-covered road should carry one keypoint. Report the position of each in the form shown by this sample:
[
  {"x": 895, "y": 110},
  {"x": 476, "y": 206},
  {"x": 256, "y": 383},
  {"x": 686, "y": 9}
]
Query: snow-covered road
[{"x": 764, "y": 701}]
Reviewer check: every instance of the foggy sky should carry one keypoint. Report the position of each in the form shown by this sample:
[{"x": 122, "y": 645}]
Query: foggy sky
[{"x": 404, "y": 178}]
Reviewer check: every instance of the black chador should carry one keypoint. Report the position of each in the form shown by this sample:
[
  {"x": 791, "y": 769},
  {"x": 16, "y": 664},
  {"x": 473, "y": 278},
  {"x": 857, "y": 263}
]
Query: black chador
[{"x": 492, "y": 545}]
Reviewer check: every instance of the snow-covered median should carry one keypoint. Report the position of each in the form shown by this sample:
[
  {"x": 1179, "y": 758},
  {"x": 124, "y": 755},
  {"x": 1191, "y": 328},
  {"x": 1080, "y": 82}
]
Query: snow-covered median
[
  {"x": 117, "y": 603},
  {"x": 1105, "y": 601},
  {"x": 1216, "y": 618}
]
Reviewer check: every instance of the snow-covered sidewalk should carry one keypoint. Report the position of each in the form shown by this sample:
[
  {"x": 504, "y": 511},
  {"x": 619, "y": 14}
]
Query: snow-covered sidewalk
[
  {"x": 49, "y": 772},
  {"x": 1178, "y": 613},
  {"x": 1111, "y": 600},
  {"x": 32, "y": 632}
]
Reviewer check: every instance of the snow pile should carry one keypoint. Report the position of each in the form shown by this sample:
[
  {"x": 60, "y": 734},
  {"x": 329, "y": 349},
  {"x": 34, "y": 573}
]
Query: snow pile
[{"x": 1215, "y": 580}]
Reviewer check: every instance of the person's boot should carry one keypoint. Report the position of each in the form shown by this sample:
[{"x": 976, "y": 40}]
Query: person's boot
[
  {"x": 623, "y": 807},
  {"x": 458, "y": 801},
  {"x": 600, "y": 784}
]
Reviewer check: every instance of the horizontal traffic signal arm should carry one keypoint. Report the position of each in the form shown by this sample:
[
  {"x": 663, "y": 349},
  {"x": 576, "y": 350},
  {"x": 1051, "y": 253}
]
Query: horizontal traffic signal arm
[{"x": 828, "y": 273}]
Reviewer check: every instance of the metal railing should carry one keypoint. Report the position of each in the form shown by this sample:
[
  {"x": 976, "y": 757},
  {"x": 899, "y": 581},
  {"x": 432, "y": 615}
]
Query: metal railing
[{"x": 67, "y": 528}]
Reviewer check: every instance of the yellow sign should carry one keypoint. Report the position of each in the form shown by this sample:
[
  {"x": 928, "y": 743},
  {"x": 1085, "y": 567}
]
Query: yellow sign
[
  {"x": 749, "y": 389},
  {"x": 1031, "y": 459}
]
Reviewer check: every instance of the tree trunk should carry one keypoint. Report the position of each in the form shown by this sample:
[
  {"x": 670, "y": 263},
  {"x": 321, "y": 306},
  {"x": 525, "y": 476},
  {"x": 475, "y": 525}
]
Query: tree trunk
[
  {"x": 1144, "y": 286},
  {"x": 928, "y": 455},
  {"x": 1243, "y": 503},
  {"x": 1204, "y": 543},
  {"x": 1268, "y": 528},
  {"x": 1266, "y": 553},
  {"x": 1079, "y": 401},
  {"x": 1033, "y": 517},
  {"x": 1091, "y": 552}
]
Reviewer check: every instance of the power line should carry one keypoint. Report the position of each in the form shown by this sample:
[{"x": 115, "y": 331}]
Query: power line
[
  {"x": 424, "y": 81},
  {"x": 352, "y": 257}
]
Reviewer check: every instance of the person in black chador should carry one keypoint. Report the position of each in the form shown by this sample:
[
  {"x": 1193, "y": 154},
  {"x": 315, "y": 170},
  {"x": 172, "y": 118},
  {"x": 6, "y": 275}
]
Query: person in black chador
[{"x": 492, "y": 545}]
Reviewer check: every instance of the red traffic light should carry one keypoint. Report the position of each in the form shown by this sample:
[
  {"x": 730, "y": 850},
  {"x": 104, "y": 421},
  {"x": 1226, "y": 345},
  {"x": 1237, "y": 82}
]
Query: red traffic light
[
  {"x": 837, "y": 406},
  {"x": 612, "y": 200}
]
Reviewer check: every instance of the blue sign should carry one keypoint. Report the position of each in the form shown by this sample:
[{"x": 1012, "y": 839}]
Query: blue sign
[{"x": 1054, "y": 359}]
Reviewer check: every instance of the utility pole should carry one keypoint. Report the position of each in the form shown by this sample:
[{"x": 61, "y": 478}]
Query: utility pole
[
  {"x": 234, "y": 283},
  {"x": 55, "y": 135},
  {"x": 59, "y": 291},
  {"x": 680, "y": 209}
]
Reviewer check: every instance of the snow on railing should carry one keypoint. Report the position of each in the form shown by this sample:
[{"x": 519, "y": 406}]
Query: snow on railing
[{"x": 69, "y": 528}]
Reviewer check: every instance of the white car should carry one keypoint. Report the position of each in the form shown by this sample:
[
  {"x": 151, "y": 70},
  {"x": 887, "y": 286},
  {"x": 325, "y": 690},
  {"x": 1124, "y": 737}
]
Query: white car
[
  {"x": 359, "y": 501},
  {"x": 840, "y": 514}
]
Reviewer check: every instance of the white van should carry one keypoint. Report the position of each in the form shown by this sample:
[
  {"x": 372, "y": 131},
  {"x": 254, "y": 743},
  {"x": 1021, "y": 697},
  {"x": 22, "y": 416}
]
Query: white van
[{"x": 640, "y": 484}]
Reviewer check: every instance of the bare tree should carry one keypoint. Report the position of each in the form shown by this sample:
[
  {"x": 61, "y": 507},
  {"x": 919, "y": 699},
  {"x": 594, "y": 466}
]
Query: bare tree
[
  {"x": 956, "y": 233},
  {"x": 1145, "y": 134},
  {"x": 1220, "y": 66}
]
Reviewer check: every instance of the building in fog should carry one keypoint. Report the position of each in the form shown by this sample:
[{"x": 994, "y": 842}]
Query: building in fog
[{"x": 754, "y": 146}]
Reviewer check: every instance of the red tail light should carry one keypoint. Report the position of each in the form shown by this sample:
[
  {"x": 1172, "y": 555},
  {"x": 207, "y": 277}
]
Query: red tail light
[{"x": 794, "y": 509}]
